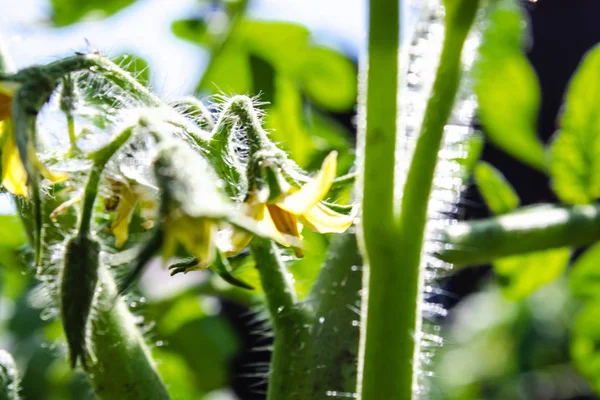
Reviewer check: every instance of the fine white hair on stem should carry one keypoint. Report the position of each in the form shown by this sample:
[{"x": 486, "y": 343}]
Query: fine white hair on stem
[{"x": 418, "y": 68}]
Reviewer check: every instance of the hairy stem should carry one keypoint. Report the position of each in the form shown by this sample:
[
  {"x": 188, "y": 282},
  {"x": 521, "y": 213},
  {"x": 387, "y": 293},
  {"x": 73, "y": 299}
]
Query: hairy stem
[
  {"x": 377, "y": 144},
  {"x": 336, "y": 295},
  {"x": 525, "y": 230},
  {"x": 124, "y": 368},
  {"x": 291, "y": 323},
  {"x": 391, "y": 312}
]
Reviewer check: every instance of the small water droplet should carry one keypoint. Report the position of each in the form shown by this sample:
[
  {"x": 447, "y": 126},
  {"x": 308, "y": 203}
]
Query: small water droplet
[
  {"x": 280, "y": 309},
  {"x": 321, "y": 320},
  {"x": 355, "y": 323},
  {"x": 159, "y": 343}
]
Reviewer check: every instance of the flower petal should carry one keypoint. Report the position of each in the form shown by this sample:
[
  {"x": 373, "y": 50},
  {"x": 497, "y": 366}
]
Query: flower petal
[
  {"x": 5, "y": 106},
  {"x": 322, "y": 219},
  {"x": 14, "y": 176},
  {"x": 314, "y": 191},
  {"x": 123, "y": 213},
  {"x": 287, "y": 224}
]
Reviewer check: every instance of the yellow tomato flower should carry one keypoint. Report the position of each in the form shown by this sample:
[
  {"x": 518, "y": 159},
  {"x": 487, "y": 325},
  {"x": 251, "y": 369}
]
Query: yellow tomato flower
[
  {"x": 14, "y": 176},
  {"x": 123, "y": 201},
  {"x": 197, "y": 234},
  {"x": 283, "y": 218}
]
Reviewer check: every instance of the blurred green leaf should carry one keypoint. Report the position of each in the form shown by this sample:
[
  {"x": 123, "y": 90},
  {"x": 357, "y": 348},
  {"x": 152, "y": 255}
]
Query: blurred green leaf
[
  {"x": 193, "y": 30},
  {"x": 575, "y": 161},
  {"x": 66, "y": 12},
  {"x": 205, "y": 342},
  {"x": 585, "y": 343},
  {"x": 229, "y": 72},
  {"x": 521, "y": 275},
  {"x": 497, "y": 192},
  {"x": 176, "y": 375},
  {"x": 286, "y": 121},
  {"x": 263, "y": 78},
  {"x": 328, "y": 135},
  {"x": 473, "y": 149},
  {"x": 12, "y": 233},
  {"x": 507, "y": 88},
  {"x": 329, "y": 79},
  {"x": 584, "y": 277},
  {"x": 136, "y": 66},
  {"x": 306, "y": 269}
]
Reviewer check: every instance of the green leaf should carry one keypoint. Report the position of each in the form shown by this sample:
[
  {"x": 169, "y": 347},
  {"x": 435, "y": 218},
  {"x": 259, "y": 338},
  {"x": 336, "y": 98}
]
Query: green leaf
[
  {"x": 286, "y": 121},
  {"x": 507, "y": 88},
  {"x": 67, "y": 12},
  {"x": 521, "y": 275},
  {"x": 193, "y": 30},
  {"x": 329, "y": 79},
  {"x": 12, "y": 233},
  {"x": 497, "y": 192},
  {"x": 228, "y": 72},
  {"x": 473, "y": 149},
  {"x": 585, "y": 343},
  {"x": 136, "y": 66},
  {"x": 584, "y": 277},
  {"x": 575, "y": 157}
]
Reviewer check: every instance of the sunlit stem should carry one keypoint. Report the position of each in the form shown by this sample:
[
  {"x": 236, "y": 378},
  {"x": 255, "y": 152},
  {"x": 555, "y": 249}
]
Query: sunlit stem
[
  {"x": 124, "y": 368},
  {"x": 71, "y": 129},
  {"x": 393, "y": 244},
  {"x": 535, "y": 228},
  {"x": 292, "y": 349}
]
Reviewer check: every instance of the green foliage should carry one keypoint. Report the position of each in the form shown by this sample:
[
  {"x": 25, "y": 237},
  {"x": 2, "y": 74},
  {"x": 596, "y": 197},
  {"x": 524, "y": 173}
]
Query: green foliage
[
  {"x": 497, "y": 192},
  {"x": 575, "y": 162},
  {"x": 584, "y": 344},
  {"x": 278, "y": 62},
  {"x": 520, "y": 276},
  {"x": 584, "y": 277},
  {"x": 67, "y": 12},
  {"x": 507, "y": 90}
]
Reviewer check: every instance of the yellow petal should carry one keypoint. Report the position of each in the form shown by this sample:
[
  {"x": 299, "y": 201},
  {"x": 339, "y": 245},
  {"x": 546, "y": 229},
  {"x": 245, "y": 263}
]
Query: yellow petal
[
  {"x": 286, "y": 224},
  {"x": 55, "y": 177},
  {"x": 266, "y": 224},
  {"x": 198, "y": 236},
  {"x": 64, "y": 207},
  {"x": 314, "y": 191},
  {"x": 14, "y": 176},
  {"x": 123, "y": 214},
  {"x": 322, "y": 219},
  {"x": 5, "y": 106}
]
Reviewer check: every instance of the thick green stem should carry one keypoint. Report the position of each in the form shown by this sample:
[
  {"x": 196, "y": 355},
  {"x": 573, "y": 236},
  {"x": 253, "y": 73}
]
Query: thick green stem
[
  {"x": 291, "y": 322},
  {"x": 336, "y": 296},
  {"x": 382, "y": 341},
  {"x": 535, "y": 228},
  {"x": 123, "y": 368},
  {"x": 391, "y": 312}
]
